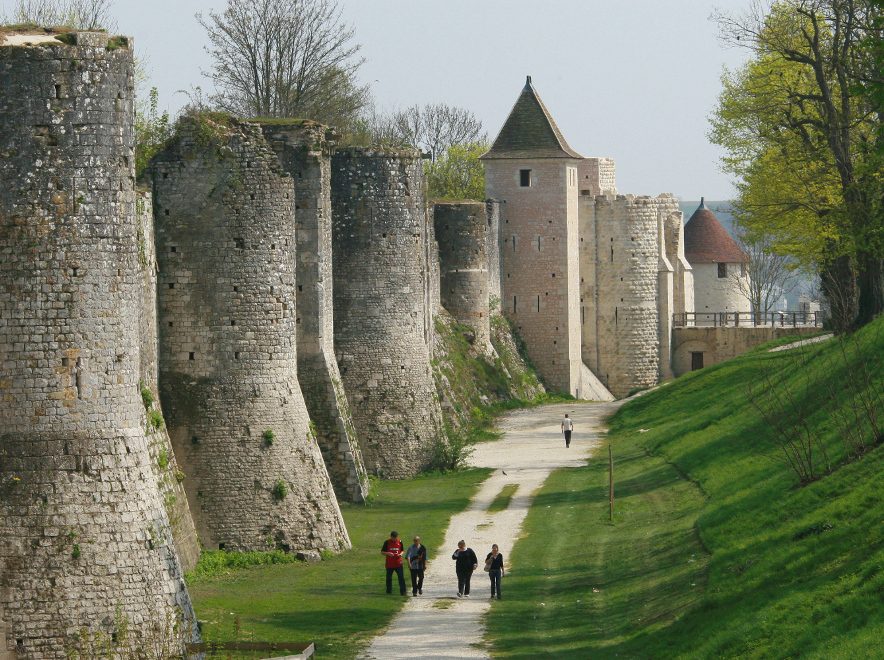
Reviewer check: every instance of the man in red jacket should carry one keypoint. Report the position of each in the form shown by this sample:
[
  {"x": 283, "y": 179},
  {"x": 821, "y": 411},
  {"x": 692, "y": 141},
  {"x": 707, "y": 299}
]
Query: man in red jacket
[{"x": 392, "y": 550}]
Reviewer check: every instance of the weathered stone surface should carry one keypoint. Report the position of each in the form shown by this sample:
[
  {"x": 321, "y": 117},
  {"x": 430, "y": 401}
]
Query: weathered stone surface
[
  {"x": 168, "y": 475},
  {"x": 462, "y": 236},
  {"x": 84, "y": 537},
  {"x": 225, "y": 221},
  {"x": 304, "y": 151},
  {"x": 492, "y": 213},
  {"x": 383, "y": 315}
]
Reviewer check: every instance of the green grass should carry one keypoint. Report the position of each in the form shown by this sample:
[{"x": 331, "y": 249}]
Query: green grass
[
  {"x": 340, "y": 602},
  {"x": 502, "y": 500},
  {"x": 715, "y": 550}
]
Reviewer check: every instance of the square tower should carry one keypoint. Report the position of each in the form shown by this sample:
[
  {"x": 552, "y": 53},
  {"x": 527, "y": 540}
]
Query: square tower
[{"x": 534, "y": 173}]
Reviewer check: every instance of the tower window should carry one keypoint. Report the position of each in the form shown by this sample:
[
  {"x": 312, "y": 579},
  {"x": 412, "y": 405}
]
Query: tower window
[
  {"x": 525, "y": 178},
  {"x": 514, "y": 305},
  {"x": 722, "y": 270}
]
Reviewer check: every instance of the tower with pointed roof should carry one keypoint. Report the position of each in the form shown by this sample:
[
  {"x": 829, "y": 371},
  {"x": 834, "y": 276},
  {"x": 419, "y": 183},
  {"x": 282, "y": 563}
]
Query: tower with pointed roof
[
  {"x": 534, "y": 172},
  {"x": 719, "y": 265}
]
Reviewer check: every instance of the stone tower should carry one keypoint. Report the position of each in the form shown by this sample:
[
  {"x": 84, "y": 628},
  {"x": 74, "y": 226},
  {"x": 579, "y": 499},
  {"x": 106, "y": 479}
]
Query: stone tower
[
  {"x": 225, "y": 222},
  {"x": 304, "y": 151},
  {"x": 167, "y": 473},
  {"x": 531, "y": 169},
  {"x": 85, "y": 539},
  {"x": 719, "y": 266},
  {"x": 383, "y": 315},
  {"x": 462, "y": 234}
]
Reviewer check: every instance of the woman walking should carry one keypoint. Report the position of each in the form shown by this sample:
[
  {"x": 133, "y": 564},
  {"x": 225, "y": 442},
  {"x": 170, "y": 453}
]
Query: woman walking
[
  {"x": 494, "y": 566},
  {"x": 467, "y": 562}
]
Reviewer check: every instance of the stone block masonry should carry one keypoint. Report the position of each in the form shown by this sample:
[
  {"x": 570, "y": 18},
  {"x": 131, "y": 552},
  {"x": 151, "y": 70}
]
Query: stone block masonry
[
  {"x": 225, "y": 221},
  {"x": 85, "y": 539},
  {"x": 304, "y": 151},
  {"x": 382, "y": 294},
  {"x": 492, "y": 214},
  {"x": 462, "y": 235},
  {"x": 168, "y": 475}
]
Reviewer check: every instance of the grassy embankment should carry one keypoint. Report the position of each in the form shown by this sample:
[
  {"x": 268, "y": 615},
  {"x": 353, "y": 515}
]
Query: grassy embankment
[
  {"x": 340, "y": 602},
  {"x": 715, "y": 550}
]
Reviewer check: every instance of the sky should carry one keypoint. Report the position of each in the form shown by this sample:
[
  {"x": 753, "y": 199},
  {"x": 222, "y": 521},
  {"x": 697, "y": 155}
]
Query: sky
[{"x": 634, "y": 80}]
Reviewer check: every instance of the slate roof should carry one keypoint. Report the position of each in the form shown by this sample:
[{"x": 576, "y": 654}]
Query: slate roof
[
  {"x": 706, "y": 241},
  {"x": 530, "y": 131}
]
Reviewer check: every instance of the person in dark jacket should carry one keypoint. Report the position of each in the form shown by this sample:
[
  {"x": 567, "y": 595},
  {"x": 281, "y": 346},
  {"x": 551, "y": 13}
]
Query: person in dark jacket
[
  {"x": 494, "y": 566},
  {"x": 392, "y": 550},
  {"x": 417, "y": 563},
  {"x": 467, "y": 562}
]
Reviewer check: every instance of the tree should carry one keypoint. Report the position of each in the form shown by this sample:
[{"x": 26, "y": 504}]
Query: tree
[
  {"x": 459, "y": 174},
  {"x": 797, "y": 120},
  {"x": 80, "y": 14},
  {"x": 770, "y": 274},
  {"x": 433, "y": 128},
  {"x": 284, "y": 58},
  {"x": 152, "y": 129}
]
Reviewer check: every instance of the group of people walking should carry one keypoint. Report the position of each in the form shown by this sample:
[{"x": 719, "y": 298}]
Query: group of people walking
[{"x": 465, "y": 560}]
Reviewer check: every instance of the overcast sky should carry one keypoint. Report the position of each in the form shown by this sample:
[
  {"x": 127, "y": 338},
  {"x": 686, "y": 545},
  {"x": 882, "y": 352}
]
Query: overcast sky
[{"x": 631, "y": 79}]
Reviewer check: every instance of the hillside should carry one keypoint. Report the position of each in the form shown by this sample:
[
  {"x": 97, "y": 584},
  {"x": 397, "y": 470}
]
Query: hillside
[{"x": 715, "y": 549}]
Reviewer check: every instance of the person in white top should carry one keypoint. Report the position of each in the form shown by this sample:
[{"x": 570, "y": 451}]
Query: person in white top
[{"x": 567, "y": 427}]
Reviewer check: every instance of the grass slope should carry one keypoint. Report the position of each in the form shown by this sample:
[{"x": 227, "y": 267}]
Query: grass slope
[
  {"x": 714, "y": 551},
  {"x": 340, "y": 602}
]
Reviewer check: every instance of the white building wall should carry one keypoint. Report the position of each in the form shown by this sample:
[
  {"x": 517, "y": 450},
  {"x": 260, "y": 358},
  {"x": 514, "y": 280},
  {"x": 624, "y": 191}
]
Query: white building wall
[{"x": 719, "y": 294}]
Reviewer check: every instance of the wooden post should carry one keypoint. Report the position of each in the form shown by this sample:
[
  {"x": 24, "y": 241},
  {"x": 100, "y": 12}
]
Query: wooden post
[{"x": 610, "y": 481}]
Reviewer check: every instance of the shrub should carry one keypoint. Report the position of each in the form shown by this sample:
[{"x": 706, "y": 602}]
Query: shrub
[
  {"x": 146, "y": 396},
  {"x": 269, "y": 436},
  {"x": 279, "y": 490},
  {"x": 155, "y": 419},
  {"x": 163, "y": 459}
]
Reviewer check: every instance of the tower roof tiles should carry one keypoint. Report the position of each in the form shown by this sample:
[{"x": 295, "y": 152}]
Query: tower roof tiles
[
  {"x": 530, "y": 131},
  {"x": 706, "y": 241}
]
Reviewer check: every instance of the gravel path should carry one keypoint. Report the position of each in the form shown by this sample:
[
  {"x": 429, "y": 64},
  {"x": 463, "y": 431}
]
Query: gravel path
[
  {"x": 803, "y": 342},
  {"x": 439, "y": 625}
]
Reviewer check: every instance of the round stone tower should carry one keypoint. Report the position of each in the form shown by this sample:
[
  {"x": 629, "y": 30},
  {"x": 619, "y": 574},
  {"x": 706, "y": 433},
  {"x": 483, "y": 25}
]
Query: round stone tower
[
  {"x": 383, "y": 321},
  {"x": 626, "y": 305},
  {"x": 85, "y": 541},
  {"x": 225, "y": 223},
  {"x": 462, "y": 235}
]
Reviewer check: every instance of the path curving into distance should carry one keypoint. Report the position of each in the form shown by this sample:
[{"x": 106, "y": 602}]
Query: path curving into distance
[{"x": 439, "y": 625}]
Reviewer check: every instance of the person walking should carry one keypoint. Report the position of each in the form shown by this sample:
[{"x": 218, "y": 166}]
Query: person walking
[
  {"x": 467, "y": 562},
  {"x": 417, "y": 564},
  {"x": 567, "y": 427},
  {"x": 494, "y": 566},
  {"x": 392, "y": 550}
]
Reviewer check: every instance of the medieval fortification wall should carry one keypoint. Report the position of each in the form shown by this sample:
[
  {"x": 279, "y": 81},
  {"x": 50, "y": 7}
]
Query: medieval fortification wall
[
  {"x": 225, "y": 220},
  {"x": 462, "y": 235},
  {"x": 492, "y": 214},
  {"x": 84, "y": 535},
  {"x": 168, "y": 475},
  {"x": 304, "y": 152},
  {"x": 382, "y": 306}
]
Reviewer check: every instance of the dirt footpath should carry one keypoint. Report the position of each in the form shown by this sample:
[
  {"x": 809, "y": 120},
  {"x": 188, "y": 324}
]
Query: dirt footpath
[{"x": 438, "y": 624}]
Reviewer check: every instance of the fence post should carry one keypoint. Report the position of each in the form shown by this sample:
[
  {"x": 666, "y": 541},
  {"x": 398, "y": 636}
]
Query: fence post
[{"x": 610, "y": 481}]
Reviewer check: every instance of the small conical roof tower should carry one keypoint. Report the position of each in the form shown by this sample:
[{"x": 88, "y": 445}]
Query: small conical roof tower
[
  {"x": 706, "y": 241},
  {"x": 530, "y": 131}
]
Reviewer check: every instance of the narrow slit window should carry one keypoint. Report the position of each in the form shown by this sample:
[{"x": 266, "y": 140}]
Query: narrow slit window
[
  {"x": 525, "y": 178},
  {"x": 515, "y": 304},
  {"x": 538, "y": 303}
]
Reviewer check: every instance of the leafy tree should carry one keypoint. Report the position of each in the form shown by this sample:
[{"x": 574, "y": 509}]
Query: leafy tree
[
  {"x": 152, "y": 129},
  {"x": 797, "y": 124},
  {"x": 284, "y": 58},
  {"x": 770, "y": 274},
  {"x": 459, "y": 174}
]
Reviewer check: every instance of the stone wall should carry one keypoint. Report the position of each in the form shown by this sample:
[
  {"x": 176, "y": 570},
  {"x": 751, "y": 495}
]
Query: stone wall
[
  {"x": 683, "y": 276},
  {"x": 539, "y": 264},
  {"x": 462, "y": 235},
  {"x": 619, "y": 266},
  {"x": 597, "y": 177},
  {"x": 723, "y": 343},
  {"x": 304, "y": 151},
  {"x": 492, "y": 214},
  {"x": 84, "y": 537},
  {"x": 225, "y": 222},
  {"x": 168, "y": 475},
  {"x": 382, "y": 294}
]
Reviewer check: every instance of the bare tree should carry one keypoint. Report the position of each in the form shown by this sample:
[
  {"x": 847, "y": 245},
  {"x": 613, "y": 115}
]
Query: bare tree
[
  {"x": 433, "y": 128},
  {"x": 80, "y": 14},
  {"x": 284, "y": 58},
  {"x": 770, "y": 275}
]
